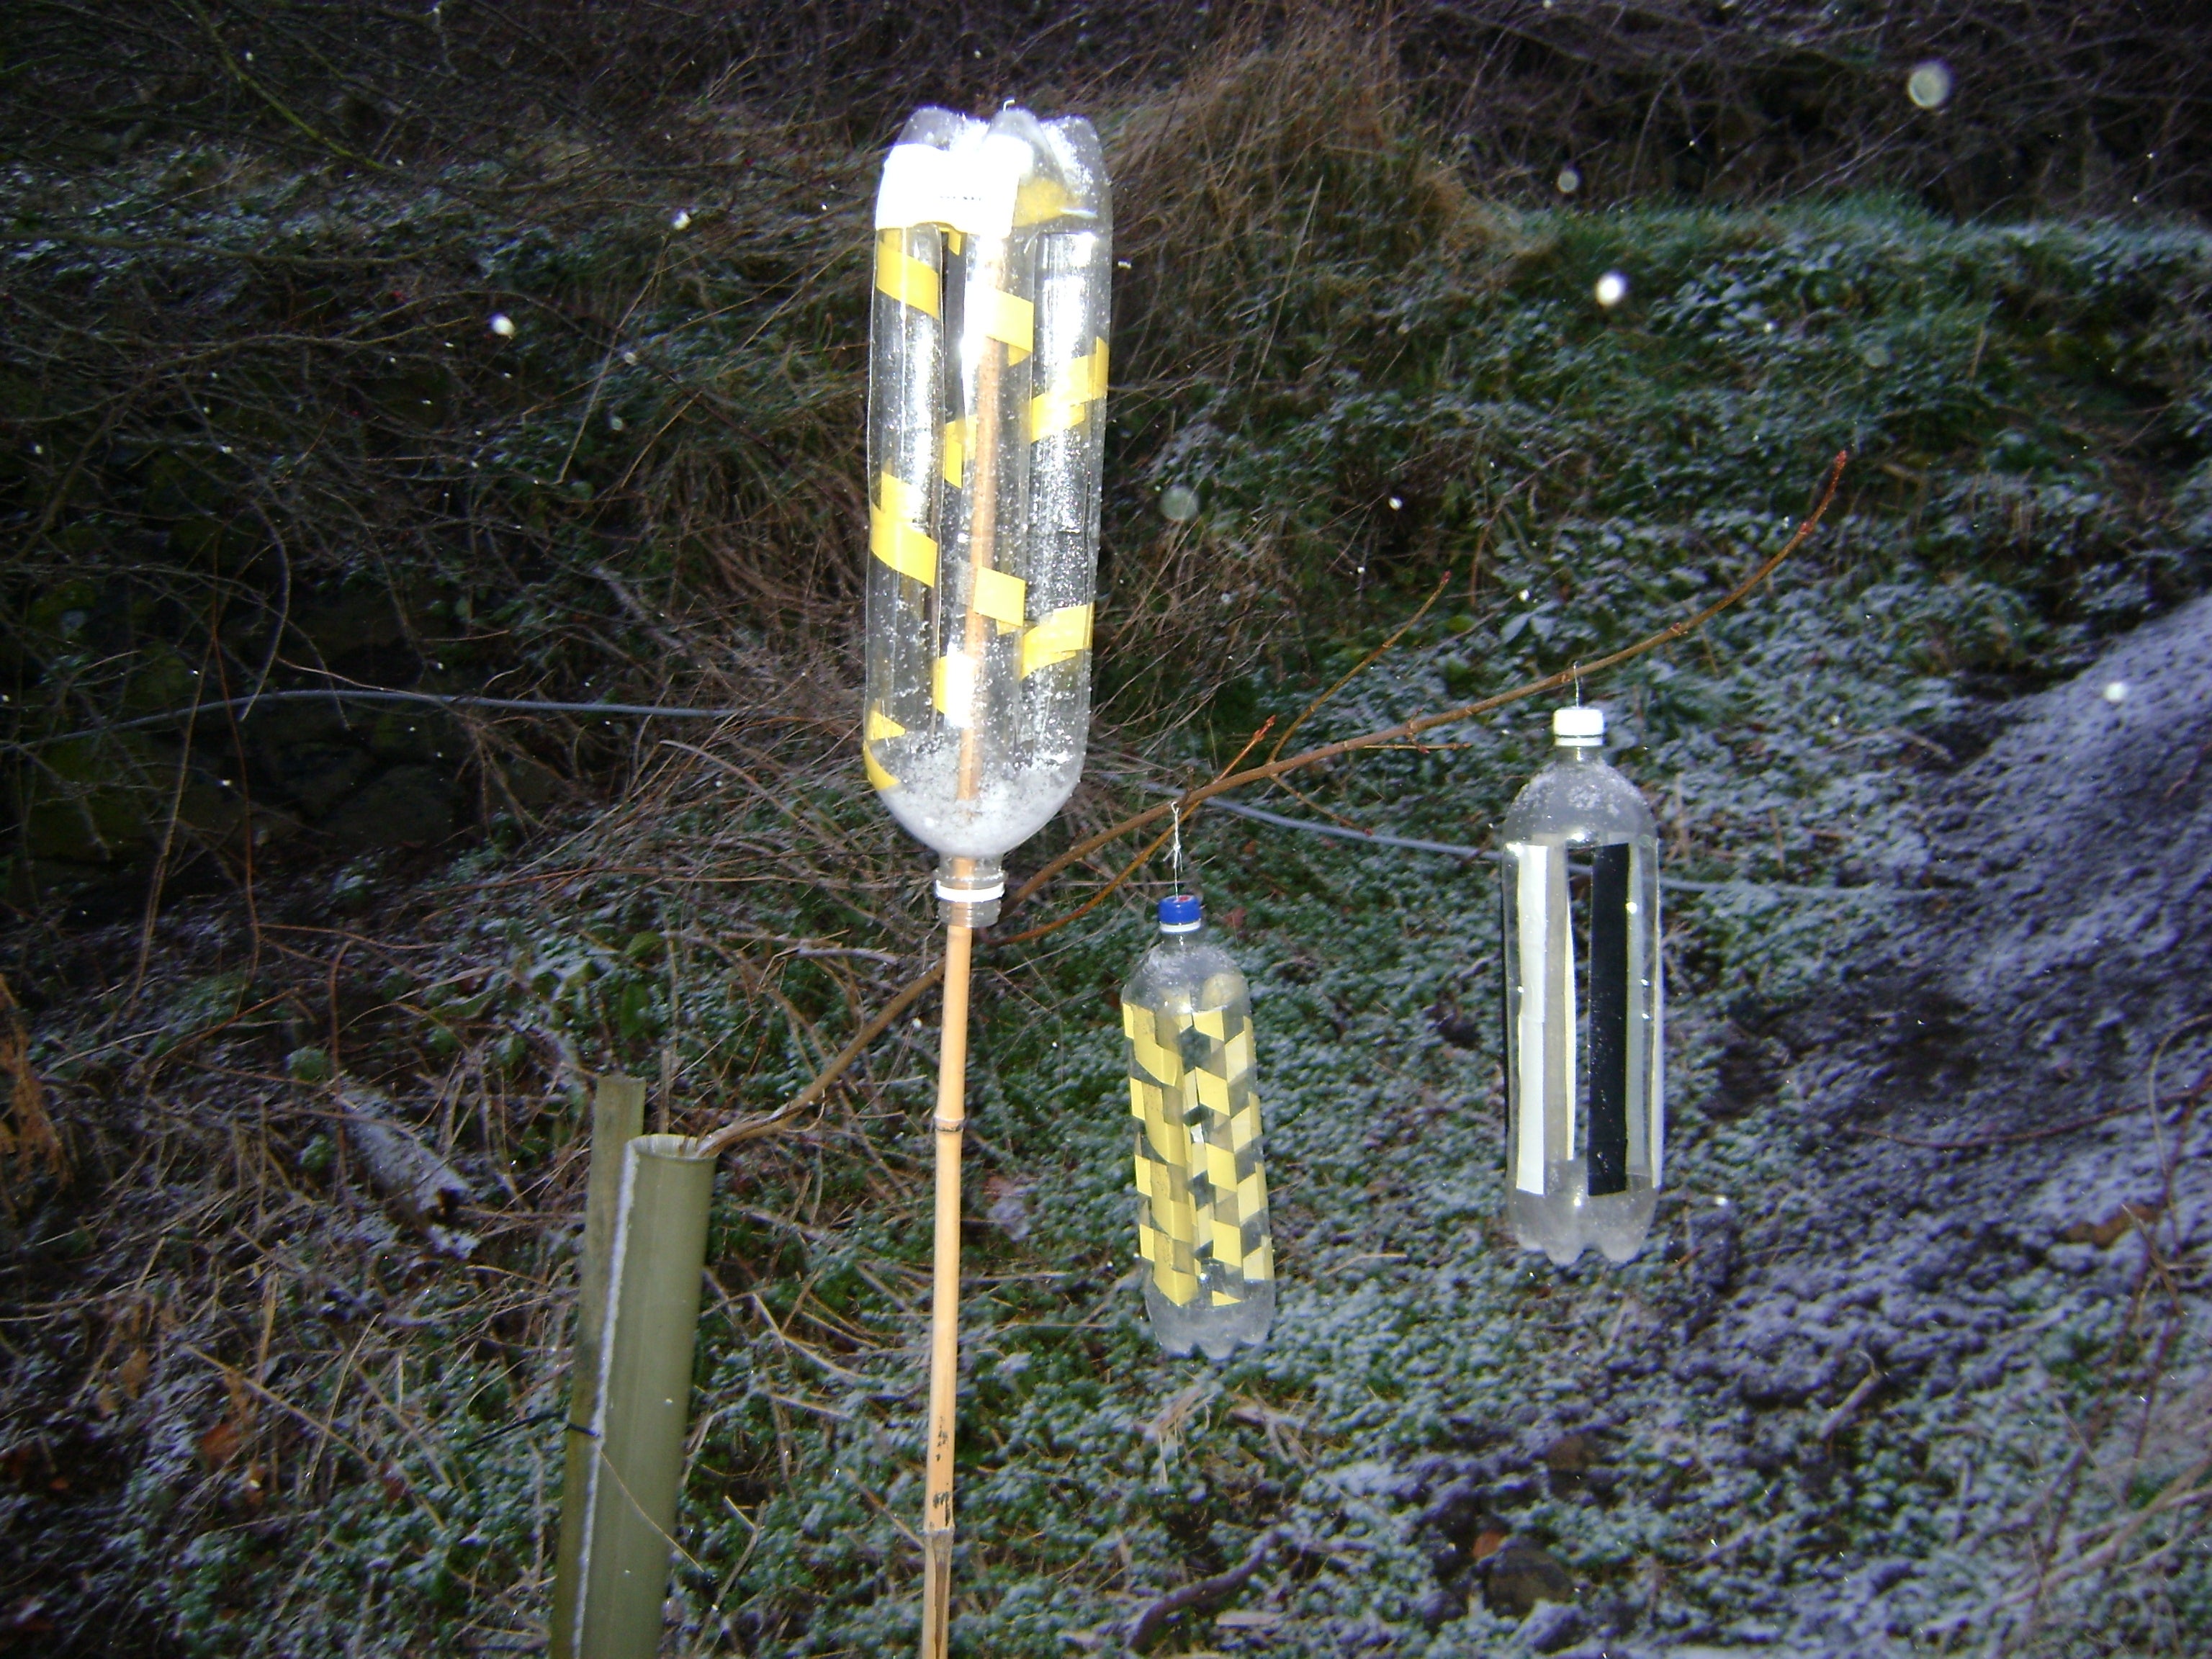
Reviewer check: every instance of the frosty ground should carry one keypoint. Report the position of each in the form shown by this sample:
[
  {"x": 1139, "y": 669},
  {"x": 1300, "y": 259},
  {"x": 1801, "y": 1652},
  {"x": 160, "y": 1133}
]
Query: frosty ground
[{"x": 1941, "y": 889}]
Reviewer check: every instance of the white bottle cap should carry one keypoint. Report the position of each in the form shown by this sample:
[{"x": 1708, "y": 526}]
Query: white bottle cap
[{"x": 1579, "y": 727}]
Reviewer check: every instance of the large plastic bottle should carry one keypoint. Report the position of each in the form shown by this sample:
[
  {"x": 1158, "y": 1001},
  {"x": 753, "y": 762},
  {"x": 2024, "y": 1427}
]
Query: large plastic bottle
[
  {"x": 986, "y": 431},
  {"x": 1583, "y": 1004},
  {"x": 1208, "y": 1262}
]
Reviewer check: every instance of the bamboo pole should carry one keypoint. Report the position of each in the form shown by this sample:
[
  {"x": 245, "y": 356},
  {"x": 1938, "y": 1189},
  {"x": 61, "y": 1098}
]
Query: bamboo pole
[
  {"x": 944, "y": 1298},
  {"x": 951, "y": 1116}
]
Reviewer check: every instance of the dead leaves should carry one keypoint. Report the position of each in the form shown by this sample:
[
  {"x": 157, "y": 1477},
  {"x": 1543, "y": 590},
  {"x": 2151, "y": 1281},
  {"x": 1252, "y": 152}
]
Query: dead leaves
[
  {"x": 131, "y": 1375},
  {"x": 125, "y": 1364},
  {"x": 2106, "y": 1233},
  {"x": 231, "y": 1441},
  {"x": 28, "y": 1138},
  {"x": 220, "y": 1443}
]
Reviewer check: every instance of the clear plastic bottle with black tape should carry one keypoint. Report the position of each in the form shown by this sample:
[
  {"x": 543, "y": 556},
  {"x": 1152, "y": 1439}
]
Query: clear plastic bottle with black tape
[
  {"x": 1206, "y": 1257},
  {"x": 1583, "y": 1004}
]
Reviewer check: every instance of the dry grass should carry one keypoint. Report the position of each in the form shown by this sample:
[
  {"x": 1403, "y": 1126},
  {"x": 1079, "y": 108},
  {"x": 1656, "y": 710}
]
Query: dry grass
[{"x": 216, "y": 1335}]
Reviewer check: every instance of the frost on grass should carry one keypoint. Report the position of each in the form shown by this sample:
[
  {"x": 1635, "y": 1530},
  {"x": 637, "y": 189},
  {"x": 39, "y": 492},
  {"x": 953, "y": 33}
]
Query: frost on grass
[{"x": 1881, "y": 1389}]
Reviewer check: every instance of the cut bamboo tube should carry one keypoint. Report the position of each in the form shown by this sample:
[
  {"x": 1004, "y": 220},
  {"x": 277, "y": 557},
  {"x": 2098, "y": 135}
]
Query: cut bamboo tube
[
  {"x": 617, "y": 1117},
  {"x": 636, "y": 1436}
]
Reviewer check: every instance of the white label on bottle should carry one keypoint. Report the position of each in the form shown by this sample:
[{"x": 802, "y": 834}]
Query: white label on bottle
[{"x": 1532, "y": 869}]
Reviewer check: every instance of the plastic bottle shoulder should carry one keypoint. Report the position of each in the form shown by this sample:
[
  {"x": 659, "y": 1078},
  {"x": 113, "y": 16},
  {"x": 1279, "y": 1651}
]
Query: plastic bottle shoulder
[
  {"x": 1578, "y": 798},
  {"x": 1185, "y": 973}
]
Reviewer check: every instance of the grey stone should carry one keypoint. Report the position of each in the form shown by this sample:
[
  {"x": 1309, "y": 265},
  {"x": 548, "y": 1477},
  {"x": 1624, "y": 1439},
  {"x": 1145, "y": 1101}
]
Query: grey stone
[{"x": 1520, "y": 1575}]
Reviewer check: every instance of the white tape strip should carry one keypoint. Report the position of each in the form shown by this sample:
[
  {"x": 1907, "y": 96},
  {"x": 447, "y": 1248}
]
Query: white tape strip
[
  {"x": 970, "y": 188},
  {"x": 956, "y": 688},
  {"x": 1658, "y": 1083},
  {"x": 610, "y": 1330},
  {"x": 908, "y": 192},
  {"x": 1532, "y": 887}
]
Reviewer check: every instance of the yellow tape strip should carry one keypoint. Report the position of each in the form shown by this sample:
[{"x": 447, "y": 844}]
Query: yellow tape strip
[
  {"x": 1244, "y": 1122},
  {"x": 882, "y": 725},
  {"x": 1000, "y": 597},
  {"x": 1252, "y": 1196},
  {"x": 892, "y": 536},
  {"x": 877, "y": 775},
  {"x": 1040, "y": 200},
  {"x": 1157, "y": 1063},
  {"x": 1061, "y": 637},
  {"x": 1010, "y": 318},
  {"x": 1237, "y": 1053},
  {"x": 909, "y": 280},
  {"x": 956, "y": 452},
  {"x": 1082, "y": 384},
  {"x": 909, "y": 501},
  {"x": 901, "y": 546}
]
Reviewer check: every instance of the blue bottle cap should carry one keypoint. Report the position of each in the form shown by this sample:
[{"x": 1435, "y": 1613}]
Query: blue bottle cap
[{"x": 1179, "y": 913}]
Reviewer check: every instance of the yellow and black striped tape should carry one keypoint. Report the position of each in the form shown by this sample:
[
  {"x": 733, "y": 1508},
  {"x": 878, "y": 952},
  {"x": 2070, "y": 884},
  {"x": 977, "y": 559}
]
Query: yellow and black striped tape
[{"x": 1202, "y": 1211}]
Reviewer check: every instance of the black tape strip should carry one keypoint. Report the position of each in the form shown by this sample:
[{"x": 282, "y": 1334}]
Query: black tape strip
[
  {"x": 1506, "y": 1045},
  {"x": 1608, "y": 1020}
]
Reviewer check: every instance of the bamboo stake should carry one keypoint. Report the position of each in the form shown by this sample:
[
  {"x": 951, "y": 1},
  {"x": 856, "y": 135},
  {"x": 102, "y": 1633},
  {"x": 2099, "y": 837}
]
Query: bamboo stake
[
  {"x": 951, "y": 1117},
  {"x": 944, "y": 1298}
]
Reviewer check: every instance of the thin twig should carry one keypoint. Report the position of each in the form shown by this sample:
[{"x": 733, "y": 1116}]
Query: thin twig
[
  {"x": 1360, "y": 667},
  {"x": 748, "y": 1128},
  {"x": 1202, "y": 1593},
  {"x": 751, "y": 1128}
]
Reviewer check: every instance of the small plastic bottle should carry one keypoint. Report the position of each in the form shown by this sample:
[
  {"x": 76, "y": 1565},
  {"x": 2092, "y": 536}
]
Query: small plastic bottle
[
  {"x": 1207, "y": 1259},
  {"x": 1584, "y": 1002}
]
